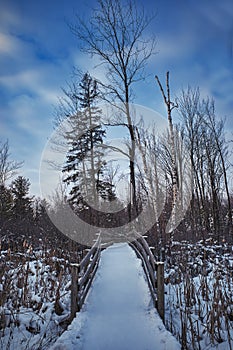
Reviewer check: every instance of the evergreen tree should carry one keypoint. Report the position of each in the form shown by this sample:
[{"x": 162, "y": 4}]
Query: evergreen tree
[
  {"x": 22, "y": 203},
  {"x": 40, "y": 207},
  {"x": 6, "y": 203},
  {"x": 106, "y": 190},
  {"x": 84, "y": 158},
  {"x": 105, "y": 183}
]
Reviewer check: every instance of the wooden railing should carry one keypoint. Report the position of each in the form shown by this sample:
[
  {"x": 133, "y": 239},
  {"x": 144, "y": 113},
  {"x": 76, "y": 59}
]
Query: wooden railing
[
  {"x": 82, "y": 275},
  {"x": 84, "y": 272},
  {"x": 154, "y": 272}
]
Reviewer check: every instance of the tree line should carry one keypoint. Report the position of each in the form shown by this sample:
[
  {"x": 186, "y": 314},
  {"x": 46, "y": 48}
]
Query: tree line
[{"x": 24, "y": 220}]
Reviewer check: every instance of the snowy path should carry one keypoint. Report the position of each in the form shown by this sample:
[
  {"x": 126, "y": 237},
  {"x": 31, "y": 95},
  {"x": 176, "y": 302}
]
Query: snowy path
[{"x": 118, "y": 313}]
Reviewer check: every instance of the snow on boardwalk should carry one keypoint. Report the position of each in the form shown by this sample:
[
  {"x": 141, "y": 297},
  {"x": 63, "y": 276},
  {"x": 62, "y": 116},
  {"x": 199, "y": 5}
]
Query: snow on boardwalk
[{"x": 118, "y": 313}]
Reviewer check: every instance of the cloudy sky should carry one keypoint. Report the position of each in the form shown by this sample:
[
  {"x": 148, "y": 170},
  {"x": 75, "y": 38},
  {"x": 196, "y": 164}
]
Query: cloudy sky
[{"x": 38, "y": 53}]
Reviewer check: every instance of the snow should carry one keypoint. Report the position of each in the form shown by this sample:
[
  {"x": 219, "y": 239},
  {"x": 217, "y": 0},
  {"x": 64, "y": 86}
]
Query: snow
[
  {"x": 119, "y": 312},
  {"x": 199, "y": 298},
  {"x": 27, "y": 316}
]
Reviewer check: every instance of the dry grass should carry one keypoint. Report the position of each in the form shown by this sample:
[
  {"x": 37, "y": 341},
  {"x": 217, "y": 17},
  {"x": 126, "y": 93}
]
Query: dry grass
[
  {"x": 200, "y": 296},
  {"x": 34, "y": 296}
]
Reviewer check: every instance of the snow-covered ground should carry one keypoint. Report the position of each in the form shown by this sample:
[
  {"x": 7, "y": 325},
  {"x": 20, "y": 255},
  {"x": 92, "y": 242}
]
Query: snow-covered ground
[
  {"x": 199, "y": 295},
  {"x": 29, "y": 285},
  {"x": 119, "y": 312},
  {"x": 35, "y": 299}
]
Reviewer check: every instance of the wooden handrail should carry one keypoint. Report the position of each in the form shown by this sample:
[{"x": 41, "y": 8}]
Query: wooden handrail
[
  {"x": 82, "y": 275},
  {"x": 84, "y": 272},
  {"x": 154, "y": 272},
  {"x": 87, "y": 257}
]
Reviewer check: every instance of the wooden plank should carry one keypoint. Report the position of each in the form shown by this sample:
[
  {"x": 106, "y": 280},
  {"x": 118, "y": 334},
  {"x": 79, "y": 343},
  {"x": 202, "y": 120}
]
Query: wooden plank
[
  {"x": 90, "y": 264},
  {"x": 75, "y": 268},
  {"x": 147, "y": 262},
  {"x": 147, "y": 249},
  {"x": 160, "y": 289},
  {"x": 151, "y": 287},
  {"x": 90, "y": 267},
  {"x": 82, "y": 297},
  {"x": 87, "y": 257},
  {"x": 142, "y": 250}
]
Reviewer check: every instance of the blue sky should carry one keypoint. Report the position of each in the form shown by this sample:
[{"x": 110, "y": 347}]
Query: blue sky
[{"x": 38, "y": 52}]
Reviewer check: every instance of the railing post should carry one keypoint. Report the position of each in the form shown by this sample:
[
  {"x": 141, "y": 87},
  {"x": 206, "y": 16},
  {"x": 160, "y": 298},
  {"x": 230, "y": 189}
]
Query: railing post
[
  {"x": 74, "y": 290},
  {"x": 160, "y": 289}
]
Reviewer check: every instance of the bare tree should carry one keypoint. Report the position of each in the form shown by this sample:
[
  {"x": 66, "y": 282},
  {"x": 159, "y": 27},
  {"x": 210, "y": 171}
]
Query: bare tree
[
  {"x": 115, "y": 34},
  {"x": 191, "y": 114},
  {"x": 204, "y": 135},
  {"x": 170, "y": 106},
  {"x": 8, "y": 167},
  {"x": 216, "y": 128}
]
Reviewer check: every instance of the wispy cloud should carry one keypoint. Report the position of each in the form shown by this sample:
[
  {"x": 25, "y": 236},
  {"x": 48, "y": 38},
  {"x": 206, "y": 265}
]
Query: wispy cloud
[
  {"x": 219, "y": 13},
  {"x": 9, "y": 17},
  {"x": 29, "y": 86},
  {"x": 8, "y": 45}
]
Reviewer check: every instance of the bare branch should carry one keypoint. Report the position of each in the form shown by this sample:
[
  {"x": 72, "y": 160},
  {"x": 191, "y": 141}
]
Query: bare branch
[
  {"x": 115, "y": 35},
  {"x": 161, "y": 88},
  {"x": 8, "y": 168}
]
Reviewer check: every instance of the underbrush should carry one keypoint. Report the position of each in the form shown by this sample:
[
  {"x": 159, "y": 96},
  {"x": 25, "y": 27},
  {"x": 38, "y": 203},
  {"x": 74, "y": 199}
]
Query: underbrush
[
  {"x": 34, "y": 297},
  {"x": 199, "y": 295}
]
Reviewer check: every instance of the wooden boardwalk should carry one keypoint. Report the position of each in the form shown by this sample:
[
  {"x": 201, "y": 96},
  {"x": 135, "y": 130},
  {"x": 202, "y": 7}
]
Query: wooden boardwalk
[{"x": 119, "y": 313}]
